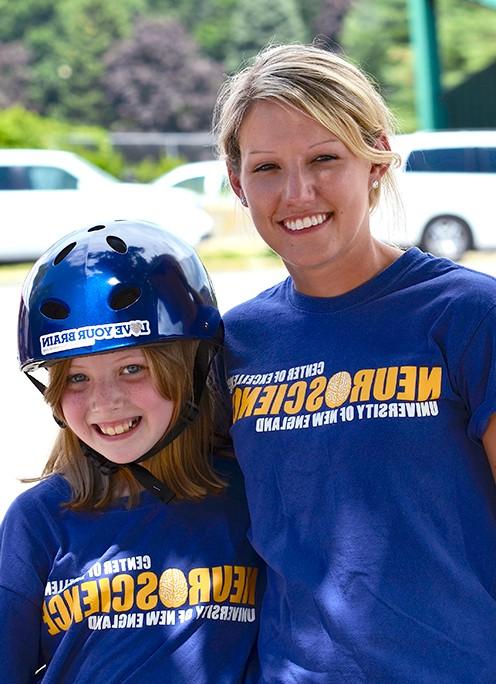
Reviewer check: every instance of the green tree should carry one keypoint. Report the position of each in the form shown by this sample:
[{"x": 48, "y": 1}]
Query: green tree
[
  {"x": 467, "y": 39},
  {"x": 212, "y": 31},
  {"x": 19, "y": 17},
  {"x": 376, "y": 36},
  {"x": 69, "y": 57},
  {"x": 257, "y": 23}
]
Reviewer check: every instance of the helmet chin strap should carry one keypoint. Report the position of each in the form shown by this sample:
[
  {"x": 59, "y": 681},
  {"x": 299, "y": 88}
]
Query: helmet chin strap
[{"x": 188, "y": 415}]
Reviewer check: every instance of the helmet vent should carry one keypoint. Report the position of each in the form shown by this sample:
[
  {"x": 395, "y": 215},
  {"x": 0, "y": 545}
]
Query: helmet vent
[
  {"x": 99, "y": 227},
  {"x": 117, "y": 244},
  {"x": 54, "y": 309},
  {"x": 63, "y": 253},
  {"x": 124, "y": 297}
]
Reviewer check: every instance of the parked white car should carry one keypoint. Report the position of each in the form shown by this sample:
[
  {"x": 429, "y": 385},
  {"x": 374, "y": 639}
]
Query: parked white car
[
  {"x": 447, "y": 180},
  {"x": 208, "y": 179},
  {"x": 45, "y": 194}
]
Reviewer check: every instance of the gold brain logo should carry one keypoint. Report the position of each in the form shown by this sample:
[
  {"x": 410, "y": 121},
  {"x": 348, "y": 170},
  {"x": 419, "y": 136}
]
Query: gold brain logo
[
  {"x": 338, "y": 389},
  {"x": 173, "y": 588}
]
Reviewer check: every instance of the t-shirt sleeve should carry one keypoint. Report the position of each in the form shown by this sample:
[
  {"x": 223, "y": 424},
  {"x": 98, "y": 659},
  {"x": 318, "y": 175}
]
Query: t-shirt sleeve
[
  {"x": 19, "y": 637},
  {"x": 222, "y": 406},
  {"x": 477, "y": 375},
  {"x": 24, "y": 567}
]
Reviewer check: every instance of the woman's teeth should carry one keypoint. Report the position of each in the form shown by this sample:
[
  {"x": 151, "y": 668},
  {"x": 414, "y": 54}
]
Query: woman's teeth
[
  {"x": 306, "y": 222},
  {"x": 119, "y": 428}
]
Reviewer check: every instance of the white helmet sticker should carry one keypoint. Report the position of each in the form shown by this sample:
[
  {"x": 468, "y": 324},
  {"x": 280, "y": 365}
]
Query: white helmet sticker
[{"x": 89, "y": 334}]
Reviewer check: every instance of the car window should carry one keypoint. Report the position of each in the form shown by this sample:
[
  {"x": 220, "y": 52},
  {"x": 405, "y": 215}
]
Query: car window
[
  {"x": 487, "y": 159},
  {"x": 448, "y": 160},
  {"x": 50, "y": 178},
  {"x": 12, "y": 178},
  {"x": 195, "y": 184}
]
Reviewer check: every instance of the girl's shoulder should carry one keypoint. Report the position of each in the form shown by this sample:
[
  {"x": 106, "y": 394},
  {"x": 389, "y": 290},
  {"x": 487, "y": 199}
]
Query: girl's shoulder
[
  {"x": 45, "y": 496},
  {"x": 228, "y": 469}
]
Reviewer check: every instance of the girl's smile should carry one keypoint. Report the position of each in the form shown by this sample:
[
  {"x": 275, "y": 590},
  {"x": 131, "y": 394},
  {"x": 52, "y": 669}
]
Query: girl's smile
[{"x": 111, "y": 403}]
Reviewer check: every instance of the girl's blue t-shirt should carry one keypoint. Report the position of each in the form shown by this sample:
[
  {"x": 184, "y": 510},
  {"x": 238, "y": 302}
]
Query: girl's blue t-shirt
[
  {"x": 357, "y": 421},
  {"x": 156, "y": 593}
]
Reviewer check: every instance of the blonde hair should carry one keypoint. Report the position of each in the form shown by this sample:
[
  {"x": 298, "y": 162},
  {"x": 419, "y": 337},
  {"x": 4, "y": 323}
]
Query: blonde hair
[
  {"x": 184, "y": 465},
  {"x": 323, "y": 85}
]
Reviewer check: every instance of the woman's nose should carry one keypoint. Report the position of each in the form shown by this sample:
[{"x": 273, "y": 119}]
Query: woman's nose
[{"x": 299, "y": 186}]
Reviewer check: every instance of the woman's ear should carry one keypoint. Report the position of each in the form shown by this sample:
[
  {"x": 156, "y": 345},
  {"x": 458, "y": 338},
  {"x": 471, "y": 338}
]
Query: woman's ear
[
  {"x": 234, "y": 181},
  {"x": 378, "y": 170},
  {"x": 236, "y": 185}
]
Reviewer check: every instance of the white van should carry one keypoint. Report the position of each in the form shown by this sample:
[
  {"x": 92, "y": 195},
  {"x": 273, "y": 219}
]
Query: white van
[{"x": 446, "y": 180}]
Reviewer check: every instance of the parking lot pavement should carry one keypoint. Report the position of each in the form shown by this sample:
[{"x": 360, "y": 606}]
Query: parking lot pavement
[{"x": 28, "y": 429}]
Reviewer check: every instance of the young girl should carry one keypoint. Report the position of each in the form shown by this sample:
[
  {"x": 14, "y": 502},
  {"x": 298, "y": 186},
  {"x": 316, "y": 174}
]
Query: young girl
[{"x": 128, "y": 562}]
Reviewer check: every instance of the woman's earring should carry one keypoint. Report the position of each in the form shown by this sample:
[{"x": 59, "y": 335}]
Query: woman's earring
[
  {"x": 243, "y": 200},
  {"x": 375, "y": 184}
]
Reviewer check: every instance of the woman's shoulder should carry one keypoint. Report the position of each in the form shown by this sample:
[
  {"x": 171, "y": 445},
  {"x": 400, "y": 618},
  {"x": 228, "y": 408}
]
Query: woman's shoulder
[
  {"x": 452, "y": 285},
  {"x": 429, "y": 267},
  {"x": 265, "y": 300}
]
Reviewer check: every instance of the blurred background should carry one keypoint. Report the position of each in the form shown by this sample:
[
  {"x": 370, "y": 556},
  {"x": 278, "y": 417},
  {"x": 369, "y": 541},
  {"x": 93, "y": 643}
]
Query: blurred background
[{"x": 105, "y": 110}]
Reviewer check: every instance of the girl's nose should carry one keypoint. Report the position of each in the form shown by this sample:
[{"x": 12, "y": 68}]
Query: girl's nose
[{"x": 106, "y": 394}]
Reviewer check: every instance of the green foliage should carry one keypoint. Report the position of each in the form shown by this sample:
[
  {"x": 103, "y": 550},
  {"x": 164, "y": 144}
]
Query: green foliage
[
  {"x": 467, "y": 39},
  {"x": 68, "y": 43},
  {"x": 257, "y": 23},
  {"x": 150, "y": 169},
  {"x": 22, "y": 15},
  {"x": 21, "y": 128},
  {"x": 387, "y": 60},
  {"x": 70, "y": 54},
  {"x": 213, "y": 27}
]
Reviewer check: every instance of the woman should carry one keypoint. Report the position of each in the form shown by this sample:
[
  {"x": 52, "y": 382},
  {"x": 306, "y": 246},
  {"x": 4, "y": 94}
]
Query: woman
[{"x": 363, "y": 390}]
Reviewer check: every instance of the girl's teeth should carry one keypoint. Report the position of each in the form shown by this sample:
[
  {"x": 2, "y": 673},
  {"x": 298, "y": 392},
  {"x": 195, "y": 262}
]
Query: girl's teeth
[{"x": 111, "y": 430}]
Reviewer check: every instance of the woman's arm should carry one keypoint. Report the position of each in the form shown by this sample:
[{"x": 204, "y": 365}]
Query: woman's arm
[{"x": 489, "y": 442}]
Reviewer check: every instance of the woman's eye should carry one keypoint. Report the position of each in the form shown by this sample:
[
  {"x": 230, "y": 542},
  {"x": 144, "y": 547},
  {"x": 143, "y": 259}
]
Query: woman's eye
[
  {"x": 325, "y": 157},
  {"x": 264, "y": 167},
  {"x": 132, "y": 369},
  {"x": 77, "y": 378}
]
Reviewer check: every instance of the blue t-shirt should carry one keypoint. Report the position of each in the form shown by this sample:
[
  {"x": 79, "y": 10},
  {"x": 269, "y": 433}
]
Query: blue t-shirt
[
  {"x": 157, "y": 593},
  {"x": 357, "y": 421}
]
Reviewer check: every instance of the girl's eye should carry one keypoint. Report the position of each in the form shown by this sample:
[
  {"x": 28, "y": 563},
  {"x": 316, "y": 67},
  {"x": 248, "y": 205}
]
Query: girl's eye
[
  {"x": 132, "y": 369},
  {"x": 77, "y": 378}
]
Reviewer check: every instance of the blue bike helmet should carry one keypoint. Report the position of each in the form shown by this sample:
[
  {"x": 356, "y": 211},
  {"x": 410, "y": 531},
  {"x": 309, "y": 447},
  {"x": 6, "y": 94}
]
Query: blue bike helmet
[
  {"x": 111, "y": 286},
  {"x": 116, "y": 285}
]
